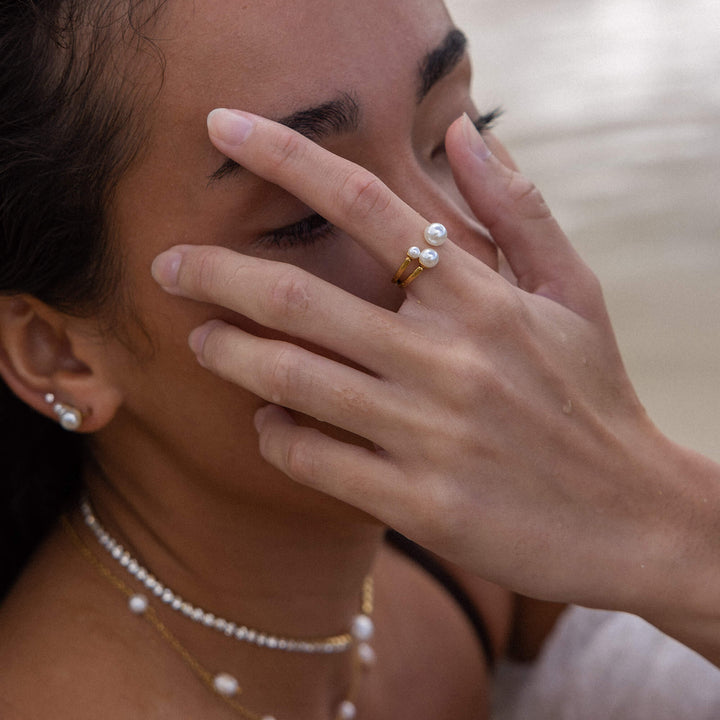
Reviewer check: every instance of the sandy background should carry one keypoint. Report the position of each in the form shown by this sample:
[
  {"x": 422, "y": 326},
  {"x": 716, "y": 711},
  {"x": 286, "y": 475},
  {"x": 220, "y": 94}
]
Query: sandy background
[{"x": 613, "y": 109}]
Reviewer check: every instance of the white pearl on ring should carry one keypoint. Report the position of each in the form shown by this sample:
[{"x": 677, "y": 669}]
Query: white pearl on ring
[
  {"x": 429, "y": 258},
  {"x": 413, "y": 252},
  {"x": 435, "y": 234}
]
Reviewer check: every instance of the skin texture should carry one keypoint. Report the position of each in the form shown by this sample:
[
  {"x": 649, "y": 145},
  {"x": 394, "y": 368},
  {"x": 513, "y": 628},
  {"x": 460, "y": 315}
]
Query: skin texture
[
  {"x": 449, "y": 369},
  {"x": 511, "y": 440},
  {"x": 178, "y": 475}
]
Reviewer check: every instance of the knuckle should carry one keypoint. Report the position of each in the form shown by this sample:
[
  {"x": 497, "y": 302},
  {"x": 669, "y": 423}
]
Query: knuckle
[
  {"x": 470, "y": 378},
  {"x": 592, "y": 284},
  {"x": 510, "y": 310},
  {"x": 289, "y": 295},
  {"x": 214, "y": 346},
  {"x": 282, "y": 376},
  {"x": 527, "y": 198},
  {"x": 593, "y": 291},
  {"x": 354, "y": 400},
  {"x": 433, "y": 510},
  {"x": 219, "y": 350},
  {"x": 206, "y": 272},
  {"x": 361, "y": 194},
  {"x": 267, "y": 443},
  {"x": 299, "y": 459},
  {"x": 505, "y": 316},
  {"x": 286, "y": 149}
]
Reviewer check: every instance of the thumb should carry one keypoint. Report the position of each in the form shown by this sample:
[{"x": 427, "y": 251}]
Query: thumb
[{"x": 520, "y": 222}]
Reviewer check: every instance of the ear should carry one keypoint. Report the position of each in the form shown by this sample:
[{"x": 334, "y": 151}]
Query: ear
[{"x": 45, "y": 351}]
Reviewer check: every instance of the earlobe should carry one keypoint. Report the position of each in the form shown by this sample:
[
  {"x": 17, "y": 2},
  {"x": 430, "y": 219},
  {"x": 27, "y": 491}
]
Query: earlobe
[{"x": 41, "y": 363}]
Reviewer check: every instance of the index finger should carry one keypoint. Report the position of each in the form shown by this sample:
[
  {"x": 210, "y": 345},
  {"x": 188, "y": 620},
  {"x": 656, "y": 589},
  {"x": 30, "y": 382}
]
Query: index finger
[{"x": 346, "y": 194}]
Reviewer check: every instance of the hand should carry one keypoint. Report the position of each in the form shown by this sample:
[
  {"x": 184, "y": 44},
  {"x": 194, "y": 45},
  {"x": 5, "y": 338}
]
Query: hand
[{"x": 509, "y": 437}]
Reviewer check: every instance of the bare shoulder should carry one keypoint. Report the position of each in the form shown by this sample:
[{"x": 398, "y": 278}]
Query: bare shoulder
[
  {"x": 61, "y": 659},
  {"x": 43, "y": 635},
  {"x": 494, "y": 604},
  {"x": 9, "y": 711},
  {"x": 517, "y": 626},
  {"x": 434, "y": 664}
]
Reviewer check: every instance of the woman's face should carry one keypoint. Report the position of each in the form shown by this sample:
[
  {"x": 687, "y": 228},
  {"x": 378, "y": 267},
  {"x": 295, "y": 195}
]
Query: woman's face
[{"x": 377, "y": 81}]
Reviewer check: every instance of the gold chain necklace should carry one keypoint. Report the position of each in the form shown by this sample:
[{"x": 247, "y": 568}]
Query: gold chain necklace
[{"x": 222, "y": 684}]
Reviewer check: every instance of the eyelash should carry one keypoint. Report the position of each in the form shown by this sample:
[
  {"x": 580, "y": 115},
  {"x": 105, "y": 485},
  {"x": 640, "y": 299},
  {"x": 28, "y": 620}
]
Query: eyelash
[
  {"x": 315, "y": 227},
  {"x": 305, "y": 232}
]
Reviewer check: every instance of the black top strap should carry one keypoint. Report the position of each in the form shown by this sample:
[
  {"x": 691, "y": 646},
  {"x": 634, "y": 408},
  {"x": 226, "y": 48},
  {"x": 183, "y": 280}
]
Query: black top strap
[{"x": 425, "y": 560}]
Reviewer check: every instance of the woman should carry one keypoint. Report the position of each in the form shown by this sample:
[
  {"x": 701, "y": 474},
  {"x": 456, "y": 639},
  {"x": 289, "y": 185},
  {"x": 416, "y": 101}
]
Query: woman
[
  {"x": 108, "y": 163},
  {"x": 170, "y": 462}
]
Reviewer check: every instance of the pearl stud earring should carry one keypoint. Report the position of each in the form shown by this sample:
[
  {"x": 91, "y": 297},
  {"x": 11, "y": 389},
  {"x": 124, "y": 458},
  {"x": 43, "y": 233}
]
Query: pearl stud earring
[{"x": 70, "y": 418}]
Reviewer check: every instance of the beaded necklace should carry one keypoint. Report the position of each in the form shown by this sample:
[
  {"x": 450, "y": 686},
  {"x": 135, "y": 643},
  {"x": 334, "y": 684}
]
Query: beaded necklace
[
  {"x": 223, "y": 684},
  {"x": 362, "y": 628}
]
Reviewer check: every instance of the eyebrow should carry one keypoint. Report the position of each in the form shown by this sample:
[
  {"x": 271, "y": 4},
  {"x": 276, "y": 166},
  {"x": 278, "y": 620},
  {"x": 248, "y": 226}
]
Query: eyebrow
[
  {"x": 342, "y": 114},
  {"x": 331, "y": 118},
  {"x": 441, "y": 61}
]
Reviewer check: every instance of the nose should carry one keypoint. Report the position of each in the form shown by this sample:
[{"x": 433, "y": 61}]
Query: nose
[{"x": 433, "y": 193}]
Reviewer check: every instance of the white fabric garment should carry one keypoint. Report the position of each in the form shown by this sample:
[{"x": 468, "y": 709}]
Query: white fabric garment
[{"x": 600, "y": 665}]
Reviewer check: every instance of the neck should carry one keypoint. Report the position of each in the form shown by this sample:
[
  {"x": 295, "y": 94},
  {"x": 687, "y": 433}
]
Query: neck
[
  {"x": 288, "y": 569},
  {"x": 286, "y": 562}
]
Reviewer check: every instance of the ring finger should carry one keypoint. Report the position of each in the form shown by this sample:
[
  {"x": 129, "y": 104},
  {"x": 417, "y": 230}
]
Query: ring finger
[{"x": 288, "y": 375}]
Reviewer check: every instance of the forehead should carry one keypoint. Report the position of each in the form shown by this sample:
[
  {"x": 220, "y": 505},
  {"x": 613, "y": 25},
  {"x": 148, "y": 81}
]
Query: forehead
[{"x": 274, "y": 56}]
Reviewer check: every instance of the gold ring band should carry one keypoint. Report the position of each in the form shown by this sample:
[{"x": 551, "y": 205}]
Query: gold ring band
[{"x": 426, "y": 259}]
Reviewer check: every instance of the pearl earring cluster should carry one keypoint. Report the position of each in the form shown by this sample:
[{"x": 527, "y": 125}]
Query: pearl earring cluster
[{"x": 69, "y": 417}]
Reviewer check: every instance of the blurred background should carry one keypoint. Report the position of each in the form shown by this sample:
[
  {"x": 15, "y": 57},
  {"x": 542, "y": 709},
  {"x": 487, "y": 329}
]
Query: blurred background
[{"x": 613, "y": 108}]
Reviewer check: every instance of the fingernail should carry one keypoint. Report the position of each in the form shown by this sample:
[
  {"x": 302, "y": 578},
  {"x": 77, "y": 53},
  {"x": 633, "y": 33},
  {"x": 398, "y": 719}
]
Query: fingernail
[
  {"x": 198, "y": 336},
  {"x": 474, "y": 139},
  {"x": 165, "y": 268},
  {"x": 230, "y": 127}
]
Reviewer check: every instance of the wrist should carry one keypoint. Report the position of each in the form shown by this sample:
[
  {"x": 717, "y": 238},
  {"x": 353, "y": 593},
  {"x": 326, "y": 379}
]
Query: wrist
[{"x": 680, "y": 592}]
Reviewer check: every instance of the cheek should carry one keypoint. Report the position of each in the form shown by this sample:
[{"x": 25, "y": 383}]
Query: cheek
[
  {"x": 165, "y": 388},
  {"x": 342, "y": 261},
  {"x": 359, "y": 274}
]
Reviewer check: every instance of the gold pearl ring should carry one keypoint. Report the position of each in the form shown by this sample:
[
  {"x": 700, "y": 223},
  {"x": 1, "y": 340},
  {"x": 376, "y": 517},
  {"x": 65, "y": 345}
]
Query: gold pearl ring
[{"x": 435, "y": 234}]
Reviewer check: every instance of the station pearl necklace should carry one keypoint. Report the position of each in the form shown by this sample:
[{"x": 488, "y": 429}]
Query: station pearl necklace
[{"x": 223, "y": 683}]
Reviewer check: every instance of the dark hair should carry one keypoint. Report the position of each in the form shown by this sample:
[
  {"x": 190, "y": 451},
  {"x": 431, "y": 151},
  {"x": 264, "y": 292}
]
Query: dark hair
[{"x": 67, "y": 133}]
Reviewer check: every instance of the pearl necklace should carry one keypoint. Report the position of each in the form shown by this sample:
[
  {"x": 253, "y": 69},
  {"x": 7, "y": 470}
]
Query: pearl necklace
[
  {"x": 362, "y": 627},
  {"x": 225, "y": 685}
]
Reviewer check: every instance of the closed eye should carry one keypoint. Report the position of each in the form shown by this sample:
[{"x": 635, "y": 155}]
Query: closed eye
[
  {"x": 304, "y": 232},
  {"x": 315, "y": 227},
  {"x": 483, "y": 124}
]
